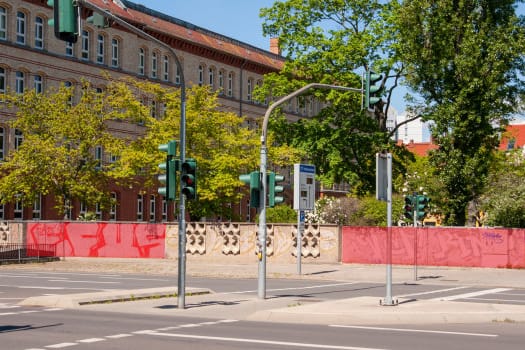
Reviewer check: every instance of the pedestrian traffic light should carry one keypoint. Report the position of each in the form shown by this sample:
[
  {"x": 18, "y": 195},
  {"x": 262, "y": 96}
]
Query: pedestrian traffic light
[
  {"x": 409, "y": 207},
  {"x": 422, "y": 205},
  {"x": 273, "y": 188},
  {"x": 170, "y": 168},
  {"x": 372, "y": 92},
  {"x": 65, "y": 19},
  {"x": 253, "y": 179},
  {"x": 189, "y": 178}
]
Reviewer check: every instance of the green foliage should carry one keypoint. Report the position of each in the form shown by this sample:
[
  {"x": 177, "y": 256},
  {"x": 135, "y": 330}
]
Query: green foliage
[
  {"x": 504, "y": 200},
  {"x": 351, "y": 211},
  {"x": 465, "y": 60},
  {"x": 328, "y": 42},
  {"x": 281, "y": 214}
]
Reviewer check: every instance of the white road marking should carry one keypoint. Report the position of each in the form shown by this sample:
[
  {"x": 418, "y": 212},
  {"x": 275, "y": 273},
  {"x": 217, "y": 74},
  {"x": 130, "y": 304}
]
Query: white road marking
[
  {"x": 292, "y": 288},
  {"x": 91, "y": 340},
  {"x": 417, "y": 331},
  {"x": 60, "y": 345},
  {"x": 430, "y": 292},
  {"x": 499, "y": 300},
  {"x": 119, "y": 336},
  {"x": 80, "y": 281},
  {"x": 261, "y": 341},
  {"x": 473, "y": 294}
]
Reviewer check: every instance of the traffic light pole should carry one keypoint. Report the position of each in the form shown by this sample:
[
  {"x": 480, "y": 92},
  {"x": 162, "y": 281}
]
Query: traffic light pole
[
  {"x": 181, "y": 292},
  {"x": 261, "y": 238}
]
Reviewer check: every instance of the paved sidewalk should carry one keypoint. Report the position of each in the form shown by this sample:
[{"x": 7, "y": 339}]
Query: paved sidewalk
[{"x": 361, "y": 310}]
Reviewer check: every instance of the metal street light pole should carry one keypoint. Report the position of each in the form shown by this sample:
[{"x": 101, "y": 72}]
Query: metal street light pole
[
  {"x": 181, "y": 284},
  {"x": 261, "y": 290}
]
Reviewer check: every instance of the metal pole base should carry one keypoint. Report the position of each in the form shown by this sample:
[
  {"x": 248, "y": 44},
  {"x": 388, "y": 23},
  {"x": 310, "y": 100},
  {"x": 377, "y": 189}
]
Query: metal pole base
[{"x": 385, "y": 302}]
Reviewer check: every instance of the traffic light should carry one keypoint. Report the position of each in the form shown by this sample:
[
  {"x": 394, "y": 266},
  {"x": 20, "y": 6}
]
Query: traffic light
[
  {"x": 253, "y": 179},
  {"x": 372, "y": 92},
  {"x": 422, "y": 205},
  {"x": 189, "y": 178},
  {"x": 273, "y": 188},
  {"x": 170, "y": 168},
  {"x": 65, "y": 19},
  {"x": 409, "y": 207},
  {"x": 98, "y": 20}
]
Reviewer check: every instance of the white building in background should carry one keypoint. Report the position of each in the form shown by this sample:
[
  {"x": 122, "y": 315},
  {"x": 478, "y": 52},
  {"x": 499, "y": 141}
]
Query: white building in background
[{"x": 415, "y": 131}]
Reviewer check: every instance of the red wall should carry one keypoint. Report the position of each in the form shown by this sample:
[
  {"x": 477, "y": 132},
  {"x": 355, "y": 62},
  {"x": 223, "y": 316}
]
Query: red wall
[
  {"x": 116, "y": 240},
  {"x": 435, "y": 246}
]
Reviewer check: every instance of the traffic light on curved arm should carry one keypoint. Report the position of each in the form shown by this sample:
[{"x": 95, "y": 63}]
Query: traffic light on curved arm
[
  {"x": 372, "y": 92},
  {"x": 65, "y": 19},
  {"x": 189, "y": 178},
  {"x": 253, "y": 179},
  {"x": 272, "y": 180}
]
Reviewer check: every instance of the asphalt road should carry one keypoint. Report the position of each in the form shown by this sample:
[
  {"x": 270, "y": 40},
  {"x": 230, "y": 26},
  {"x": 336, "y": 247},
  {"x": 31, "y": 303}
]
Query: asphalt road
[
  {"x": 44, "y": 329},
  {"x": 16, "y": 285}
]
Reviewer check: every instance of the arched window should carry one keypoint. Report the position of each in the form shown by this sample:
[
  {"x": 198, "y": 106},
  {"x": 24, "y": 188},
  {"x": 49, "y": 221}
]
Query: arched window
[
  {"x": 100, "y": 48},
  {"x": 20, "y": 28},
  {"x": 39, "y": 32},
  {"x": 142, "y": 56},
  {"x": 115, "y": 53}
]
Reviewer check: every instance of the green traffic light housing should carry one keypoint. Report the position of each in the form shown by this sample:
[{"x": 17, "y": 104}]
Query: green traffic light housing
[
  {"x": 65, "y": 19},
  {"x": 189, "y": 178},
  {"x": 372, "y": 92},
  {"x": 273, "y": 188},
  {"x": 169, "y": 176},
  {"x": 422, "y": 206},
  {"x": 253, "y": 179}
]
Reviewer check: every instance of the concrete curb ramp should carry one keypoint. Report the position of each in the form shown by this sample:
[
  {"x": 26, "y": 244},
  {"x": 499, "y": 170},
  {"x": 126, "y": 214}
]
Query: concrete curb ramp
[
  {"x": 367, "y": 311},
  {"x": 79, "y": 299}
]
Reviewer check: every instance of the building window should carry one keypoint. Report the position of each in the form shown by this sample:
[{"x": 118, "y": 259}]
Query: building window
[
  {"x": 201, "y": 75},
  {"x": 164, "y": 209},
  {"x": 141, "y": 61},
  {"x": 2, "y": 80},
  {"x": 19, "y": 82},
  {"x": 98, "y": 212},
  {"x": 166, "y": 70},
  {"x": 113, "y": 207},
  {"x": 20, "y": 28},
  {"x": 38, "y": 84},
  {"x": 19, "y": 138},
  {"x": 100, "y": 49},
  {"x": 1, "y": 211},
  {"x": 152, "y": 208},
  {"x": 140, "y": 208},
  {"x": 114, "y": 53},
  {"x": 249, "y": 89},
  {"x": 2, "y": 143},
  {"x": 211, "y": 77},
  {"x": 83, "y": 209},
  {"x": 154, "y": 65},
  {"x": 3, "y": 23},
  {"x": 19, "y": 210},
  {"x": 177, "y": 76},
  {"x": 221, "y": 82},
  {"x": 230, "y": 84},
  {"x": 39, "y": 33},
  {"x": 69, "y": 49},
  {"x": 85, "y": 45},
  {"x": 98, "y": 156},
  {"x": 37, "y": 208},
  {"x": 154, "y": 110}
]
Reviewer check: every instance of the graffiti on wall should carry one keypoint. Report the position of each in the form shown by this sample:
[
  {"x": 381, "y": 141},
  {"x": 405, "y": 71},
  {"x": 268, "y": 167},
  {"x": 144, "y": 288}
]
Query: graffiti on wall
[
  {"x": 100, "y": 239},
  {"x": 472, "y": 247}
]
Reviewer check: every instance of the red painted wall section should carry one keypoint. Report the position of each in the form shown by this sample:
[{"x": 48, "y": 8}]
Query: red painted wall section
[
  {"x": 434, "y": 246},
  {"x": 100, "y": 239}
]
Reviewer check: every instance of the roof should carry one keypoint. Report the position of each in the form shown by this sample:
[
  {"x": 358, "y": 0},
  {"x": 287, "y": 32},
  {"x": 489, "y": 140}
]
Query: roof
[
  {"x": 154, "y": 21},
  {"x": 421, "y": 148},
  {"x": 513, "y": 137}
]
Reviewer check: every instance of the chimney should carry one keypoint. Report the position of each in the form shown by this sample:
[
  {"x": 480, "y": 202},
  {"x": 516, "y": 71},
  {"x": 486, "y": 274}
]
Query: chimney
[{"x": 274, "y": 46}]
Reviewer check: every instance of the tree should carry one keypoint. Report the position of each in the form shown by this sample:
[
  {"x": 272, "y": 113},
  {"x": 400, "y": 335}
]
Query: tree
[
  {"x": 333, "y": 42},
  {"x": 504, "y": 200},
  {"x": 57, "y": 155},
  {"x": 221, "y": 144},
  {"x": 465, "y": 60}
]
